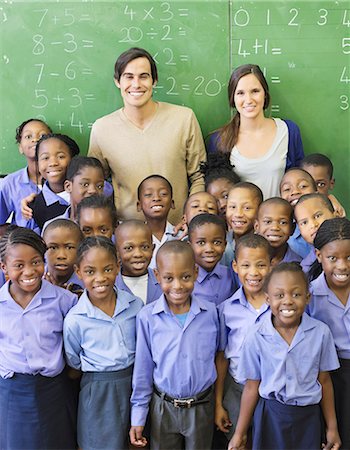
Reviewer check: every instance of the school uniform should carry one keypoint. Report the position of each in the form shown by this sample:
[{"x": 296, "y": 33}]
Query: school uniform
[
  {"x": 236, "y": 316},
  {"x": 167, "y": 236},
  {"x": 325, "y": 306},
  {"x": 309, "y": 259},
  {"x": 215, "y": 286},
  {"x": 47, "y": 205},
  {"x": 103, "y": 348},
  {"x": 2, "y": 278},
  {"x": 154, "y": 290},
  {"x": 289, "y": 391},
  {"x": 13, "y": 189},
  {"x": 174, "y": 365},
  {"x": 34, "y": 402},
  {"x": 298, "y": 244},
  {"x": 229, "y": 253},
  {"x": 291, "y": 256}
]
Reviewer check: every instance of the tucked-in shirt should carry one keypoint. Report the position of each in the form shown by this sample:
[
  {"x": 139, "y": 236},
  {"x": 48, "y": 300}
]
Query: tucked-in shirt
[
  {"x": 31, "y": 339},
  {"x": 154, "y": 291},
  {"x": 215, "y": 286},
  {"x": 309, "y": 259},
  {"x": 96, "y": 342},
  {"x": 171, "y": 145},
  {"x": 298, "y": 244},
  {"x": 273, "y": 163},
  {"x": 237, "y": 316},
  {"x": 291, "y": 256},
  {"x": 180, "y": 361},
  {"x": 326, "y": 306},
  {"x": 13, "y": 189},
  {"x": 167, "y": 236},
  {"x": 288, "y": 373}
]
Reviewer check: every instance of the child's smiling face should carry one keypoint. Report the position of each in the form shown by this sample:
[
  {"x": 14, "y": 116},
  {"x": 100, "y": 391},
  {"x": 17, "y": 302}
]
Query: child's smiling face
[
  {"x": 31, "y": 134},
  {"x": 242, "y": 210},
  {"x": 155, "y": 199},
  {"x": 53, "y": 159},
  {"x": 296, "y": 183}
]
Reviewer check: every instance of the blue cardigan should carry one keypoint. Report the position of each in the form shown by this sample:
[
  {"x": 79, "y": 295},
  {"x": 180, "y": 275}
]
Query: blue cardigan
[{"x": 295, "y": 146}]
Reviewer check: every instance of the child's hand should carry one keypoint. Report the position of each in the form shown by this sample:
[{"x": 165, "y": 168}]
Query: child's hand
[
  {"x": 27, "y": 212},
  {"x": 136, "y": 438},
  {"x": 238, "y": 442},
  {"x": 222, "y": 420},
  {"x": 181, "y": 227},
  {"x": 333, "y": 440}
]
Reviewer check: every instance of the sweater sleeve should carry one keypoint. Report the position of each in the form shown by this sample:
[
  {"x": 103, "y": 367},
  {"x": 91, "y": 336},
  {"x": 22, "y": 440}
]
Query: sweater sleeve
[
  {"x": 195, "y": 153},
  {"x": 295, "y": 146}
]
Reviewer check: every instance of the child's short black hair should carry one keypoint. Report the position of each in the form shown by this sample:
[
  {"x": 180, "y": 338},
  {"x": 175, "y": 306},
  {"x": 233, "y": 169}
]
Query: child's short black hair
[
  {"x": 304, "y": 172},
  {"x": 177, "y": 247},
  {"x": 318, "y": 159},
  {"x": 251, "y": 240},
  {"x": 216, "y": 167},
  {"x": 21, "y": 235},
  {"x": 19, "y": 129},
  {"x": 139, "y": 188},
  {"x": 279, "y": 201},
  {"x": 78, "y": 163},
  {"x": 63, "y": 223},
  {"x": 251, "y": 187},
  {"x": 70, "y": 143},
  {"x": 285, "y": 267},
  {"x": 93, "y": 242},
  {"x": 98, "y": 202},
  {"x": 130, "y": 55},
  {"x": 322, "y": 197},
  {"x": 203, "y": 219}
]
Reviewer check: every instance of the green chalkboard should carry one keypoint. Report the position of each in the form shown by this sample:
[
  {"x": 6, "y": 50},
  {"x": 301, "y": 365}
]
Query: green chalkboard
[
  {"x": 58, "y": 59},
  {"x": 304, "y": 49}
]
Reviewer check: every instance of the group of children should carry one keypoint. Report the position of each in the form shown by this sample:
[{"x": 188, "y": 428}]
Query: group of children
[{"x": 140, "y": 331}]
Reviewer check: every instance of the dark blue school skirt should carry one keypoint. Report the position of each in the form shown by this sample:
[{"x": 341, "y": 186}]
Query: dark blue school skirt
[
  {"x": 341, "y": 386},
  {"x": 277, "y": 426},
  {"x": 104, "y": 410},
  {"x": 35, "y": 413}
]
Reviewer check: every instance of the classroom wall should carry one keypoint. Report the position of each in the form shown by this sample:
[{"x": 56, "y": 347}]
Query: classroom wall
[{"x": 58, "y": 57}]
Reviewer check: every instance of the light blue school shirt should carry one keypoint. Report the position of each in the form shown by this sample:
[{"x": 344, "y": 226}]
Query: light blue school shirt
[
  {"x": 180, "y": 361},
  {"x": 154, "y": 290},
  {"x": 229, "y": 253},
  {"x": 288, "y": 373},
  {"x": 96, "y": 342},
  {"x": 309, "y": 259},
  {"x": 291, "y": 256},
  {"x": 13, "y": 189},
  {"x": 2, "y": 278},
  {"x": 215, "y": 286},
  {"x": 326, "y": 306},
  {"x": 31, "y": 339},
  {"x": 297, "y": 243},
  {"x": 236, "y": 316}
]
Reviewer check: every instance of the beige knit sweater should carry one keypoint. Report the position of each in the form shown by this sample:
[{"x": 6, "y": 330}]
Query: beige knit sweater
[{"x": 171, "y": 145}]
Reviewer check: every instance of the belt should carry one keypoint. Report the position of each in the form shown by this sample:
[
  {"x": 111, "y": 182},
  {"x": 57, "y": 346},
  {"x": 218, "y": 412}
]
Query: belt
[{"x": 185, "y": 402}]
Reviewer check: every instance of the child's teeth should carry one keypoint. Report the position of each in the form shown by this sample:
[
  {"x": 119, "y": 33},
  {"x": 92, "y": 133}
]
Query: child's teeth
[{"x": 287, "y": 312}]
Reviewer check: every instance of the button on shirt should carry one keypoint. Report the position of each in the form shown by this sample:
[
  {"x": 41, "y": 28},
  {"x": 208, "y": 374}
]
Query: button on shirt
[
  {"x": 288, "y": 373},
  {"x": 215, "y": 286},
  {"x": 237, "y": 316},
  {"x": 167, "y": 236},
  {"x": 31, "y": 339},
  {"x": 180, "y": 361},
  {"x": 326, "y": 306},
  {"x": 96, "y": 342}
]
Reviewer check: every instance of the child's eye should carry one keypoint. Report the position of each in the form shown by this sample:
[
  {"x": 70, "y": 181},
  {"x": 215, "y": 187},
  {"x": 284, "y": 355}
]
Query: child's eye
[
  {"x": 321, "y": 184},
  {"x": 304, "y": 186},
  {"x": 100, "y": 186},
  {"x": 245, "y": 266},
  {"x": 296, "y": 295},
  {"x": 108, "y": 270},
  {"x": 217, "y": 242},
  {"x": 261, "y": 266},
  {"x": 186, "y": 277},
  {"x": 318, "y": 215},
  {"x": 302, "y": 223},
  {"x": 128, "y": 248},
  {"x": 201, "y": 242},
  {"x": 168, "y": 279},
  {"x": 89, "y": 272},
  {"x": 86, "y": 231},
  {"x": 332, "y": 258},
  {"x": 285, "y": 189},
  {"x": 267, "y": 221},
  {"x": 85, "y": 185},
  {"x": 145, "y": 247},
  {"x": 52, "y": 247},
  {"x": 29, "y": 136},
  {"x": 70, "y": 247},
  {"x": 283, "y": 222}
]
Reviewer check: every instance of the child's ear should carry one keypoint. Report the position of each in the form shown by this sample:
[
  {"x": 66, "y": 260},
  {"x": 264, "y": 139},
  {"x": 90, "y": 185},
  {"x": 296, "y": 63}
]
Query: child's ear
[
  {"x": 308, "y": 297},
  {"x": 318, "y": 255},
  {"x": 156, "y": 273},
  {"x": 68, "y": 186},
  {"x": 172, "y": 205},
  {"x": 77, "y": 271},
  {"x": 234, "y": 266},
  {"x": 20, "y": 149},
  {"x": 332, "y": 183},
  {"x": 138, "y": 206},
  {"x": 116, "y": 82},
  {"x": 292, "y": 227},
  {"x": 267, "y": 299},
  {"x": 195, "y": 272},
  {"x": 256, "y": 226},
  {"x": 3, "y": 268}
]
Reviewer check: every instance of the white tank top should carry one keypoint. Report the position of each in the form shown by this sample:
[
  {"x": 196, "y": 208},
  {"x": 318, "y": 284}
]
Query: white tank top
[{"x": 267, "y": 171}]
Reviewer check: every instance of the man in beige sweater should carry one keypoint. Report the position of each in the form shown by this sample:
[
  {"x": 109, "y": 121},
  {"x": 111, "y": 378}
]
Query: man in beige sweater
[{"x": 146, "y": 137}]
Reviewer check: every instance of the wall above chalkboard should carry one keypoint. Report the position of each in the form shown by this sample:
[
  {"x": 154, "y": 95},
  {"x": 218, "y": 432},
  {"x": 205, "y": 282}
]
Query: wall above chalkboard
[{"x": 57, "y": 61}]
